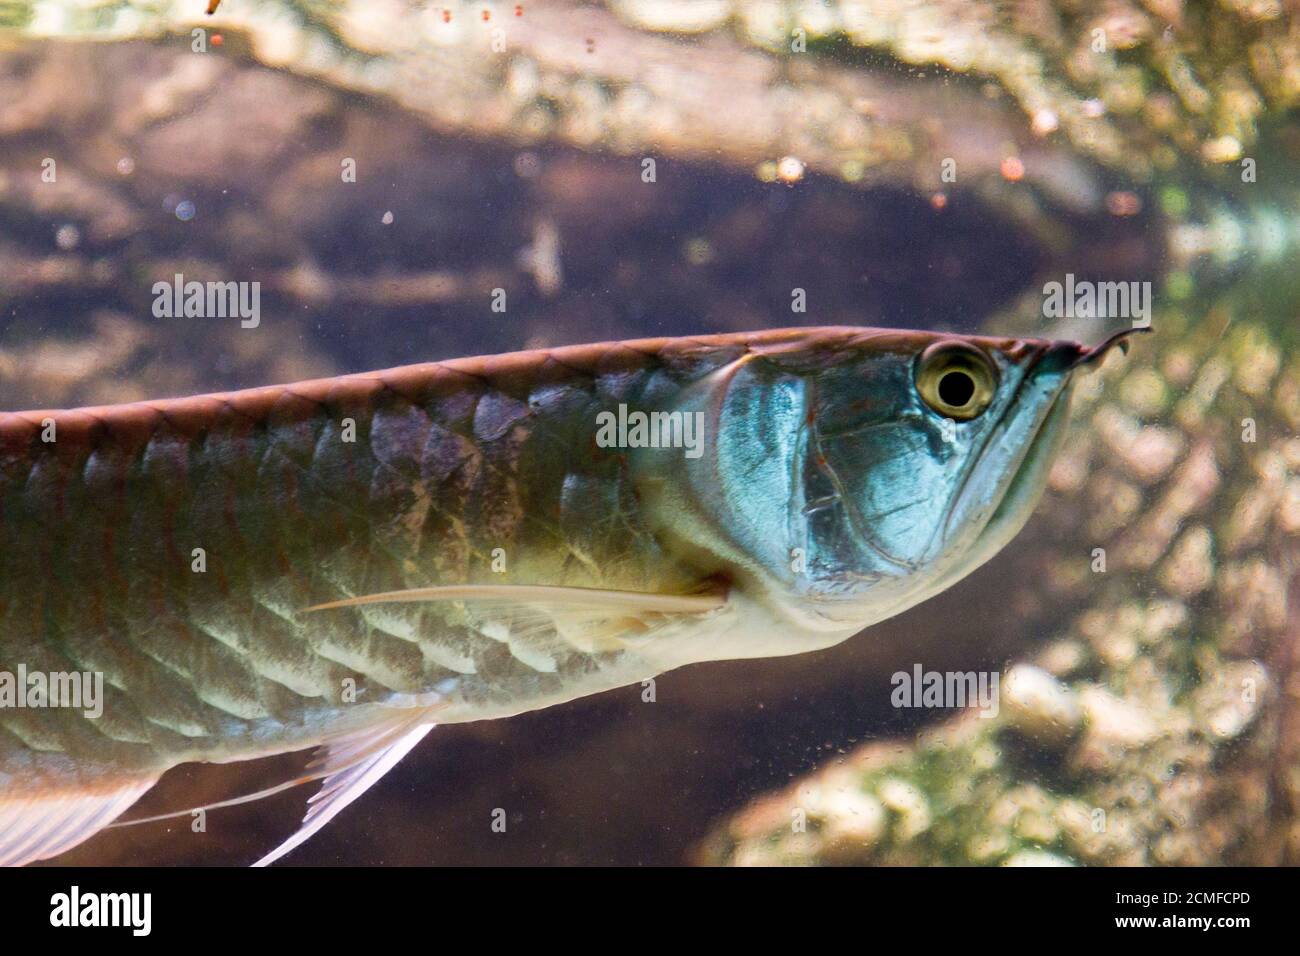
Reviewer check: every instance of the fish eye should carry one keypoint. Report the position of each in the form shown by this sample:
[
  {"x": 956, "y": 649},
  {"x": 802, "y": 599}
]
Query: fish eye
[{"x": 956, "y": 379}]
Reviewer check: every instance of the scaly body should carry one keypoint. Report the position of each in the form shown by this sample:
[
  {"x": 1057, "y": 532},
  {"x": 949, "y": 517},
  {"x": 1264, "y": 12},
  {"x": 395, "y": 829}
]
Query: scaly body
[
  {"x": 173, "y": 546},
  {"x": 446, "y": 464}
]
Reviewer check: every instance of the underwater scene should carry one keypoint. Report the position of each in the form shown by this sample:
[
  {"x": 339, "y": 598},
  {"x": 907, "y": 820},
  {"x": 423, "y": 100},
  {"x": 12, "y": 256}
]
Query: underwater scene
[{"x": 649, "y": 433}]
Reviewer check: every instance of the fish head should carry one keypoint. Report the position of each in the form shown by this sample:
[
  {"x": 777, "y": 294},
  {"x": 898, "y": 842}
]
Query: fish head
[{"x": 851, "y": 474}]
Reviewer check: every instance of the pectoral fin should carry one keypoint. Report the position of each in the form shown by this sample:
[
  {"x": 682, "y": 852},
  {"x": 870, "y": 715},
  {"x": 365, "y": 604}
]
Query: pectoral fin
[
  {"x": 630, "y": 601},
  {"x": 538, "y": 621}
]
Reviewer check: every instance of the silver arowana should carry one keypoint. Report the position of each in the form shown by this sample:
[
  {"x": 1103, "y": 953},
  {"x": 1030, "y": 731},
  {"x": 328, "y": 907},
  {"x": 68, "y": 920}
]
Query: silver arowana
[{"x": 343, "y": 563}]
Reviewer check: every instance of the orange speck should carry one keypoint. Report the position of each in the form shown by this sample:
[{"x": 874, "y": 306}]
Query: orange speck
[
  {"x": 218, "y": 39},
  {"x": 939, "y": 200},
  {"x": 446, "y": 16},
  {"x": 1123, "y": 203},
  {"x": 519, "y": 9},
  {"x": 1013, "y": 170},
  {"x": 487, "y": 15}
]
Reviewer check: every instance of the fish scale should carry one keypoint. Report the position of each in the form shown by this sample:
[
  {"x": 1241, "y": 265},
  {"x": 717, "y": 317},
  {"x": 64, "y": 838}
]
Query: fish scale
[{"x": 448, "y": 460}]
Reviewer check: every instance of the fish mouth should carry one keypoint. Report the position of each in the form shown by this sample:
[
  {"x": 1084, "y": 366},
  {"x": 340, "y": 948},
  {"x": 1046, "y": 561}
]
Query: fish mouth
[
  {"x": 1065, "y": 359},
  {"x": 1009, "y": 485},
  {"x": 1016, "y": 494},
  {"x": 1030, "y": 476}
]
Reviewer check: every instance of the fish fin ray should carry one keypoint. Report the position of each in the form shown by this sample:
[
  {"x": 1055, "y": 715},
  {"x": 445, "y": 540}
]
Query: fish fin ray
[
  {"x": 38, "y": 827},
  {"x": 221, "y": 804},
  {"x": 538, "y": 621},
  {"x": 350, "y": 765},
  {"x": 329, "y": 760},
  {"x": 631, "y": 601},
  {"x": 540, "y": 635}
]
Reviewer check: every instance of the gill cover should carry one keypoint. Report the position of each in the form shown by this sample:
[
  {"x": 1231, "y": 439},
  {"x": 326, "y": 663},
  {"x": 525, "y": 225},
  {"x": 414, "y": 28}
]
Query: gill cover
[{"x": 845, "y": 480}]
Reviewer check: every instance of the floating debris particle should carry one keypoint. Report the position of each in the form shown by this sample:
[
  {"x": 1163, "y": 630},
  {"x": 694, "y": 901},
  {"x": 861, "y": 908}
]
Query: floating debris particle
[
  {"x": 698, "y": 251},
  {"x": 1123, "y": 203},
  {"x": 1045, "y": 122},
  {"x": 67, "y": 237},
  {"x": 789, "y": 170}
]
